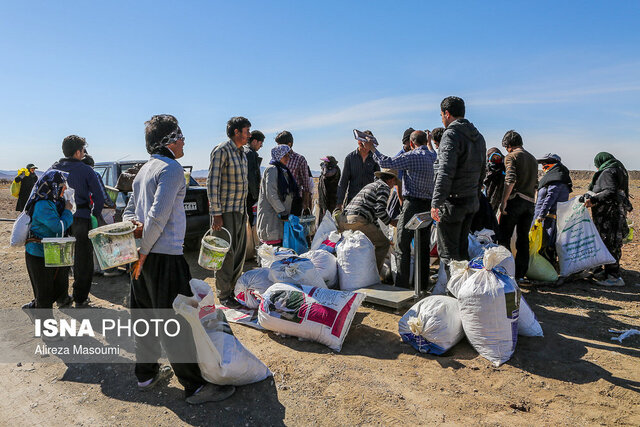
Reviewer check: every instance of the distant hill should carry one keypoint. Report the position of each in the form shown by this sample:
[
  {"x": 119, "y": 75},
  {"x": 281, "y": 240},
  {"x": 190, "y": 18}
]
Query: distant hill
[{"x": 12, "y": 174}]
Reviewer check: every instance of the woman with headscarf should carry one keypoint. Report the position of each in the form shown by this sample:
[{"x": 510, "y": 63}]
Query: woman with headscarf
[
  {"x": 328, "y": 186},
  {"x": 554, "y": 186},
  {"x": 50, "y": 217},
  {"x": 278, "y": 189},
  {"x": 494, "y": 181},
  {"x": 609, "y": 203}
]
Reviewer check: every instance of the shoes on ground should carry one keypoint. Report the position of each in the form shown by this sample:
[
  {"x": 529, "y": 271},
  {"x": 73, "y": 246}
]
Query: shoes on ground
[
  {"x": 211, "y": 393},
  {"x": 611, "y": 281},
  {"x": 83, "y": 304},
  {"x": 164, "y": 373},
  {"x": 65, "y": 301},
  {"x": 230, "y": 303}
]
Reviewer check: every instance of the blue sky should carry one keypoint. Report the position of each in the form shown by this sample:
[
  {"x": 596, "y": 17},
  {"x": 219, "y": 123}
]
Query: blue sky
[{"x": 566, "y": 75}]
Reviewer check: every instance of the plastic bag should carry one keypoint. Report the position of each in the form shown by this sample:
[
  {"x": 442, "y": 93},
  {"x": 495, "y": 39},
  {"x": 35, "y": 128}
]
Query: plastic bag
[
  {"x": 479, "y": 241},
  {"x": 296, "y": 270},
  {"x": 221, "y": 357},
  {"x": 251, "y": 285},
  {"x": 321, "y": 315},
  {"x": 294, "y": 235},
  {"x": 579, "y": 245},
  {"x": 432, "y": 325},
  {"x": 269, "y": 254},
  {"x": 356, "y": 261},
  {"x": 528, "y": 325},
  {"x": 539, "y": 267},
  {"x": 15, "y": 188},
  {"x": 70, "y": 196},
  {"x": 20, "y": 229},
  {"x": 326, "y": 264},
  {"x": 489, "y": 302},
  {"x": 327, "y": 225}
]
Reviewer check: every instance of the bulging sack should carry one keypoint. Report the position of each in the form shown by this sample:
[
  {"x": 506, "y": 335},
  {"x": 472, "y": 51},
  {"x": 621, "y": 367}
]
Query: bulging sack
[
  {"x": 432, "y": 325},
  {"x": 20, "y": 230},
  {"x": 329, "y": 244},
  {"x": 321, "y": 315},
  {"x": 268, "y": 254},
  {"x": 251, "y": 285},
  {"x": 528, "y": 325},
  {"x": 327, "y": 225},
  {"x": 221, "y": 357},
  {"x": 578, "y": 244},
  {"x": 297, "y": 271},
  {"x": 356, "y": 261},
  {"x": 326, "y": 265},
  {"x": 460, "y": 272},
  {"x": 489, "y": 302}
]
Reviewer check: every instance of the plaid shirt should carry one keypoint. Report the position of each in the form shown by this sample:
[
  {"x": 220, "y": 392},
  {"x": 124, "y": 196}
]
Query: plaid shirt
[
  {"x": 227, "y": 184},
  {"x": 417, "y": 166},
  {"x": 300, "y": 170},
  {"x": 371, "y": 202}
]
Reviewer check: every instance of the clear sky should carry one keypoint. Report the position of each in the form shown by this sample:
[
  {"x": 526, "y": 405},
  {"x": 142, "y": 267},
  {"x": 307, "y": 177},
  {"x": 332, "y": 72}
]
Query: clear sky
[{"x": 566, "y": 75}]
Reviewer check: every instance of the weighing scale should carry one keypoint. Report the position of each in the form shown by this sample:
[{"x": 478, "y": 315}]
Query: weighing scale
[{"x": 396, "y": 297}]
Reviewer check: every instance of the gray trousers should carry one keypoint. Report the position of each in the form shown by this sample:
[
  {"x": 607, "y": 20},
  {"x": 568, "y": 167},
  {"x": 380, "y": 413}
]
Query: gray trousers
[{"x": 231, "y": 269}]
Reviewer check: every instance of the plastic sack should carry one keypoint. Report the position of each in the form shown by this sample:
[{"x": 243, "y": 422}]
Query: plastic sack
[
  {"x": 296, "y": 270},
  {"x": 329, "y": 244},
  {"x": 70, "y": 196},
  {"x": 327, "y": 225},
  {"x": 506, "y": 262},
  {"x": 440, "y": 288},
  {"x": 432, "y": 325},
  {"x": 269, "y": 254},
  {"x": 321, "y": 315},
  {"x": 356, "y": 261},
  {"x": 479, "y": 241},
  {"x": 326, "y": 265},
  {"x": 489, "y": 304},
  {"x": 251, "y": 285},
  {"x": 20, "y": 230},
  {"x": 221, "y": 357},
  {"x": 15, "y": 188},
  {"x": 294, "y": 236},
  {"x": 578, "y": 243},
  {"x": 528, "y": 325},
  {"x": 539, "y": 267},
  {"x": 459, "y": 272}
]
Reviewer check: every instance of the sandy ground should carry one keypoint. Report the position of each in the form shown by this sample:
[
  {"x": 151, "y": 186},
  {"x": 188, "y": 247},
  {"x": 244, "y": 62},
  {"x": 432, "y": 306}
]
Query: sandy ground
[{"x": 574, "y": 375}]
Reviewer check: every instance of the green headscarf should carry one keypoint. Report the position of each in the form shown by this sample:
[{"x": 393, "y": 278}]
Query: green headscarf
[{"x": 602, "y": 161}]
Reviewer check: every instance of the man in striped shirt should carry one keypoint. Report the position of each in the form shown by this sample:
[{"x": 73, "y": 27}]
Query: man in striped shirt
[
  {"x": 369, "y": 205},
  {"x": 227, "y": 188},
  {"x": 300, "y": 171}
]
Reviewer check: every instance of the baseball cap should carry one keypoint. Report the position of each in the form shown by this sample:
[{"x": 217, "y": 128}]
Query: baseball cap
[{"x": 550, "y": 158}]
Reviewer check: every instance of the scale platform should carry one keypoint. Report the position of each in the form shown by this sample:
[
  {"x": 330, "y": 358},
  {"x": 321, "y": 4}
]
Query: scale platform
[{"x": 388, "y": 295}]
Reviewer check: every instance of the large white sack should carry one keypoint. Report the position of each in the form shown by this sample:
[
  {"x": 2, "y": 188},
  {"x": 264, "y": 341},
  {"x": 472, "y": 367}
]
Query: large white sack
[
  {"x": 356, "y": 261},
  {"x": 578, "y": 244},
  {"x": 528, "y": 325},
  {"x": 297, "y": 271},
  {"x": 321, "y": 315},
  {"x": 221, "y": 357},
  {"x": 268, "y": 254},
  {"x": 20, "y": 230},
  {"x": 432, "y": 325},
  {"x": 250, "y": 285},
  {"x": 459, "y": 272},
  {"x": 326, "y": 264},
  {"x": 503, "y": 257},
  {"x": 327, "y": 225},
  {"x": 489, "y": 302}
]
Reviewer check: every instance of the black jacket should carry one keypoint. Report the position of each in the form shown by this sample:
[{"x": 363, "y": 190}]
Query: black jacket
[
  {"x": 611, "y": 185},
  {"x": 461, "y": 162},
  {"x": 253, "y": 167},
  {"x": 27, "y": 183}
]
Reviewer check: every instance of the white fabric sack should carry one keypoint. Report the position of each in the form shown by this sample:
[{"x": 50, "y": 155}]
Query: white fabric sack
[
  {"x": 432, "y": 325},
  {"x": 489, "y": 303},
  {"x": 268, "y": 254},
  {"x": 321, "y": 315},
  {"x": 221, "y": 357},
  {"x": 251, "y": 285},
  {"x": 459, "y": 272},
  {"x": 327, "y": 225},
  {"x": 578, "y": 244},
  {"x": 528, "y": 325},
  {"x": 326, "y": 264},
  {"x": 356, "y": 261},
  {"x": 20, "y": 229},
  {"x": 297, "y": 271},
  {"x": 501, "y": 255}
]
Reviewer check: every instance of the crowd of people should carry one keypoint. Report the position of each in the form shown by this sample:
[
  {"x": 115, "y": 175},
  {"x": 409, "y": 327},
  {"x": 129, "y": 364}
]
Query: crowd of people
[{"x": 447, "y": 172}]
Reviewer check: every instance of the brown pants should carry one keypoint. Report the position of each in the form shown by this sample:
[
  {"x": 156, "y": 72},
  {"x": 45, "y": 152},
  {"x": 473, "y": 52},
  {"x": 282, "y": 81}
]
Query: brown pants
[{"x": 372, "y": 231}]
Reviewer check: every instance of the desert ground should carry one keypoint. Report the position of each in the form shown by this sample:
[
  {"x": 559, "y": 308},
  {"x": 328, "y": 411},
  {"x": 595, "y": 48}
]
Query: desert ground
[{"x": 575, "y": 375}]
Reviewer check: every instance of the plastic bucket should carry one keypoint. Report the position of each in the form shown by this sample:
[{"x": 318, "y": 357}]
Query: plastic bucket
[
  {"x": 114, "y": 244},
  {"x": 213, "y": 250},
  {"x": 112, "y": 192},
  {"x": 59, "y": 251}
]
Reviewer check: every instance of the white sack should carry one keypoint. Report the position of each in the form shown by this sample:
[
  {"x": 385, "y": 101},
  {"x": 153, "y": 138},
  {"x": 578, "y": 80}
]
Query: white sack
[
  {"x": 221, "y": 357},
  {"x": 528, "y": 325},
  {"x": 297, "y": 271},
  {"x": 326, "y": 264},
  {"x": 578, "y": 244},
  {"x": 20, "y": 230},
  {"x": 251, "y": 285},
  {"x": 268, "y": 254},
  {"x": 459, "y": 272},
  {"x": 432, "y": 325},
  {"x": 321, "y": 315},
  {"x": 489, "y": 302},
  {"x": 356, "y": 261},
  {"x": 327, "y": 225},
  {"x": 329, "y": 244}
]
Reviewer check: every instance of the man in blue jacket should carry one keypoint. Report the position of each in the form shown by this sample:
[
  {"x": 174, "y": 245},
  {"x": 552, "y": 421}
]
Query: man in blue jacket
[{"x": 87, "y": 189}]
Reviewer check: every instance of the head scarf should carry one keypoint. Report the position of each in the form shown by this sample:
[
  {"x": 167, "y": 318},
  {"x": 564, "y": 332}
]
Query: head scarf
[
  {"x": 278, "y": 152},
  {"x": 286, "y": 183},
  {"x": 604, "y": 161},
  {"x": 160, "y": 147},
  {"x": 48, "y": 187},
  {"x": 494, "y": 155}
]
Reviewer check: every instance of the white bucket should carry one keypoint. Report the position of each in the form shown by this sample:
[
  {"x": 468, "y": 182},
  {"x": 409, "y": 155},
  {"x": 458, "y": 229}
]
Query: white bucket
[
  {"x": 59, "y": 251},
  {"x": 213, "y": 251},
  {"x": 114, "y": 244}
]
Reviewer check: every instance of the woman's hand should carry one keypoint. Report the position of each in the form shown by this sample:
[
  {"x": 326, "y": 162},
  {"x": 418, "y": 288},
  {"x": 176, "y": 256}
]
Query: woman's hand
[{"x": 68, "y": 205}]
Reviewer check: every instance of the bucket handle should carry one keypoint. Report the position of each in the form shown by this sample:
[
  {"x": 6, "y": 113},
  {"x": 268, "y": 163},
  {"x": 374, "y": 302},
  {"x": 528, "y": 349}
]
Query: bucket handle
[
  {"x": 120, "y": 233},
  {"x": 211, "y": 230},
  {"x": 61, "y": 228}
]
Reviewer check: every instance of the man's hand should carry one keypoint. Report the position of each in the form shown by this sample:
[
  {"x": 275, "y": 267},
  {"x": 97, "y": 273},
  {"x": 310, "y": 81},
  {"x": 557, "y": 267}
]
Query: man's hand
[
  {"x": 137, "y": 233},
  {"x": 588, "y": 203},
  {"x": 393, "y": 222},
  {"x": 435, "y": 214},
  {"x": 429, "y": 140},
  {"x": 137, "y": 267},
  {"x": 338, "y": 208},
  {"x": 68, "y": 205},
  {"x": 217, "y": 223},
  {"x": 369, "y": 144}
]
